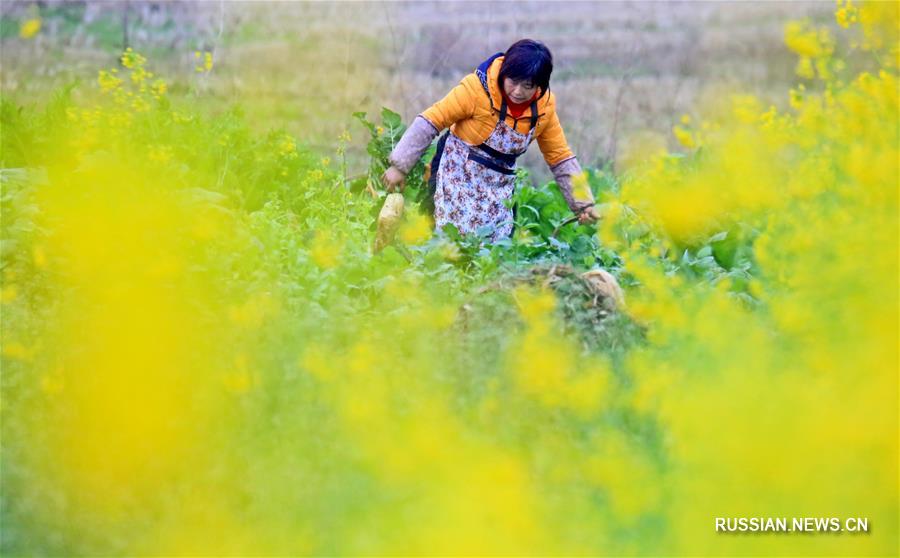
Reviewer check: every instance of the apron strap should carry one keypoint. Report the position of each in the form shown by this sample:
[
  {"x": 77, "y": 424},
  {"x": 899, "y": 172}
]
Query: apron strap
[
  {"x": 428, "y": 201},
  {"x": 508, "y": 159},
  {"x": 487, "y": 162},
  {"x": 534, "y": 113}
]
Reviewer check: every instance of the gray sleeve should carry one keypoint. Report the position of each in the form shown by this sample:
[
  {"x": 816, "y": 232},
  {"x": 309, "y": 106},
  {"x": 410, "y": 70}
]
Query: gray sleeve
[{"x": 414, "y": 142}]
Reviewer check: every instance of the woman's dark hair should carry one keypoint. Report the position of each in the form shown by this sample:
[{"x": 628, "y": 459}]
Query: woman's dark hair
[{"x": 528, "y": 60}]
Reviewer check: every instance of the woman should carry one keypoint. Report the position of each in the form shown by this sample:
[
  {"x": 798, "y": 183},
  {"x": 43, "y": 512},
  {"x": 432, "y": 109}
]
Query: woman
[{"x": 493, "y": 114}]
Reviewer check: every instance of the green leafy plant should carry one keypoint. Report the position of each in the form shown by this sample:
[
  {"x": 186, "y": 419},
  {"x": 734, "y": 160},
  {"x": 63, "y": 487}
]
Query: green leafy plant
[{"x": 383, "y": 139}]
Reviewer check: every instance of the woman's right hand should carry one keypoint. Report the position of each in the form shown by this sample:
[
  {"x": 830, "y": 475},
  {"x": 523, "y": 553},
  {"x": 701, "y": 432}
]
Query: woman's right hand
[{"x": 393, "y": 179}]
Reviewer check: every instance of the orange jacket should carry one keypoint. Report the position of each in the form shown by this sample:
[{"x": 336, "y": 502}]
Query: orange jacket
[{"x": 472, "y": 115}]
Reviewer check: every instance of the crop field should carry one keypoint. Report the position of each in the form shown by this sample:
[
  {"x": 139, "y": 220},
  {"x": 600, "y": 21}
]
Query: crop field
[{"x": 204, "y": 355}]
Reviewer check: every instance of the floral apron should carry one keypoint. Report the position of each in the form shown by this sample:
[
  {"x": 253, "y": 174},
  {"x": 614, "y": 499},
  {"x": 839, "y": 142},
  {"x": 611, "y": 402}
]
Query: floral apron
[{"x": 472, "y": 182}]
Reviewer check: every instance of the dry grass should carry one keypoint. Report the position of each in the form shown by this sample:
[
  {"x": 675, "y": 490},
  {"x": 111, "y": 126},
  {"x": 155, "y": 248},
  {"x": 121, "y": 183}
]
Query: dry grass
[{"x": 621, "y": 67}]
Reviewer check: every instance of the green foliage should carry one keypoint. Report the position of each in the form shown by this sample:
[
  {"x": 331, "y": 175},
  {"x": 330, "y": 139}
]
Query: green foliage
[{"x": 383, "y": 139}]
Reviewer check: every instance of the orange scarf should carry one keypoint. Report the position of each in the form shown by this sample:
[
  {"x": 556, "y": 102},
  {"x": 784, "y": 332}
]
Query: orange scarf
[{"x": 517, "y": 109}]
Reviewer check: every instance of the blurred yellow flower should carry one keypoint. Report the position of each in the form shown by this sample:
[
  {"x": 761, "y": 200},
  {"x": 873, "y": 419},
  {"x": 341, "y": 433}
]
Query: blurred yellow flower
[
  {"x": 207, "y": 61},
  {"x": 684, "y": 137},
  {"x": 805, "y": 40},
  {"x": 325, "y": 250},
  {"x": 17, "y": 351},
  {"x": 8, "y": 293},
  {"x": 241, "y": 379},
  {"x": 581, "y": 190},
  {"x": 159, "y": 88},
  {"x": 39, "y": 257},
  {"x": 746, "y": 108},
  {"x": 108, "y": 81},
  {"x": 846, "y": 13},
  {"x": 805, "y": 68},
  {"x": 30, "y": 28},
  {"x": 415, "y": 229},
  {"x": 159, "y": 153},
  {"x": 287, "y": 147},
  {"x": 140, "y": 105},
  {"x": 52, "y": 383},
  {"x": 535, "y": 305},
  {"x": 132, "y": 60}
]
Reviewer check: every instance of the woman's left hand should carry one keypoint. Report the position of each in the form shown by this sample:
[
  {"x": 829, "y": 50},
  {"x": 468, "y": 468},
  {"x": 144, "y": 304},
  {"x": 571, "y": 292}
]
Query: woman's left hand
[{"x": 588, "y": 215}]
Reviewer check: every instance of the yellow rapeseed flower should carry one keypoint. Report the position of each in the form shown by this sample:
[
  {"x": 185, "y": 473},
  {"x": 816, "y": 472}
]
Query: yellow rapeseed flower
[
  {"x": 535, "y": 306},
  {"x": 140, "y": 105},
  {"x": 207, "y": 61},
  {"x": 325, "y": 250},
  {"x": 806, "y": 40},
  {"x": 581, "y": 190},
  {"x": 159, "y": 153},
  {"x": 159, "y": 88},
  {"x": 416, "y": 229},
  {"x": 746, "y": 108},
  {"x": 8, "y": 294},
  {"x": 52, "y": 384},
  {"x": 684, "y": 137},
  {"x": 287, "y": 147},
  {"x": 138, "y": 75},
  {"x": 241, "y": 379},
  {"x": 846, "y": 13},
  {"x": 17, "y": 351},
  {"x": 30, "y": 28},
  {"x": 805, "y": 68},
  {"x": 39, "y": 256},
  {"x": 108, "y": 81},
  {"x": 132, "y": 60}
]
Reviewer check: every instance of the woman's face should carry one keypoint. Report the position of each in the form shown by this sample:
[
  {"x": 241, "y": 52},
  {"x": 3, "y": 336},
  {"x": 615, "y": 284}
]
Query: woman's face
[{"x": 519, "y": 91}]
